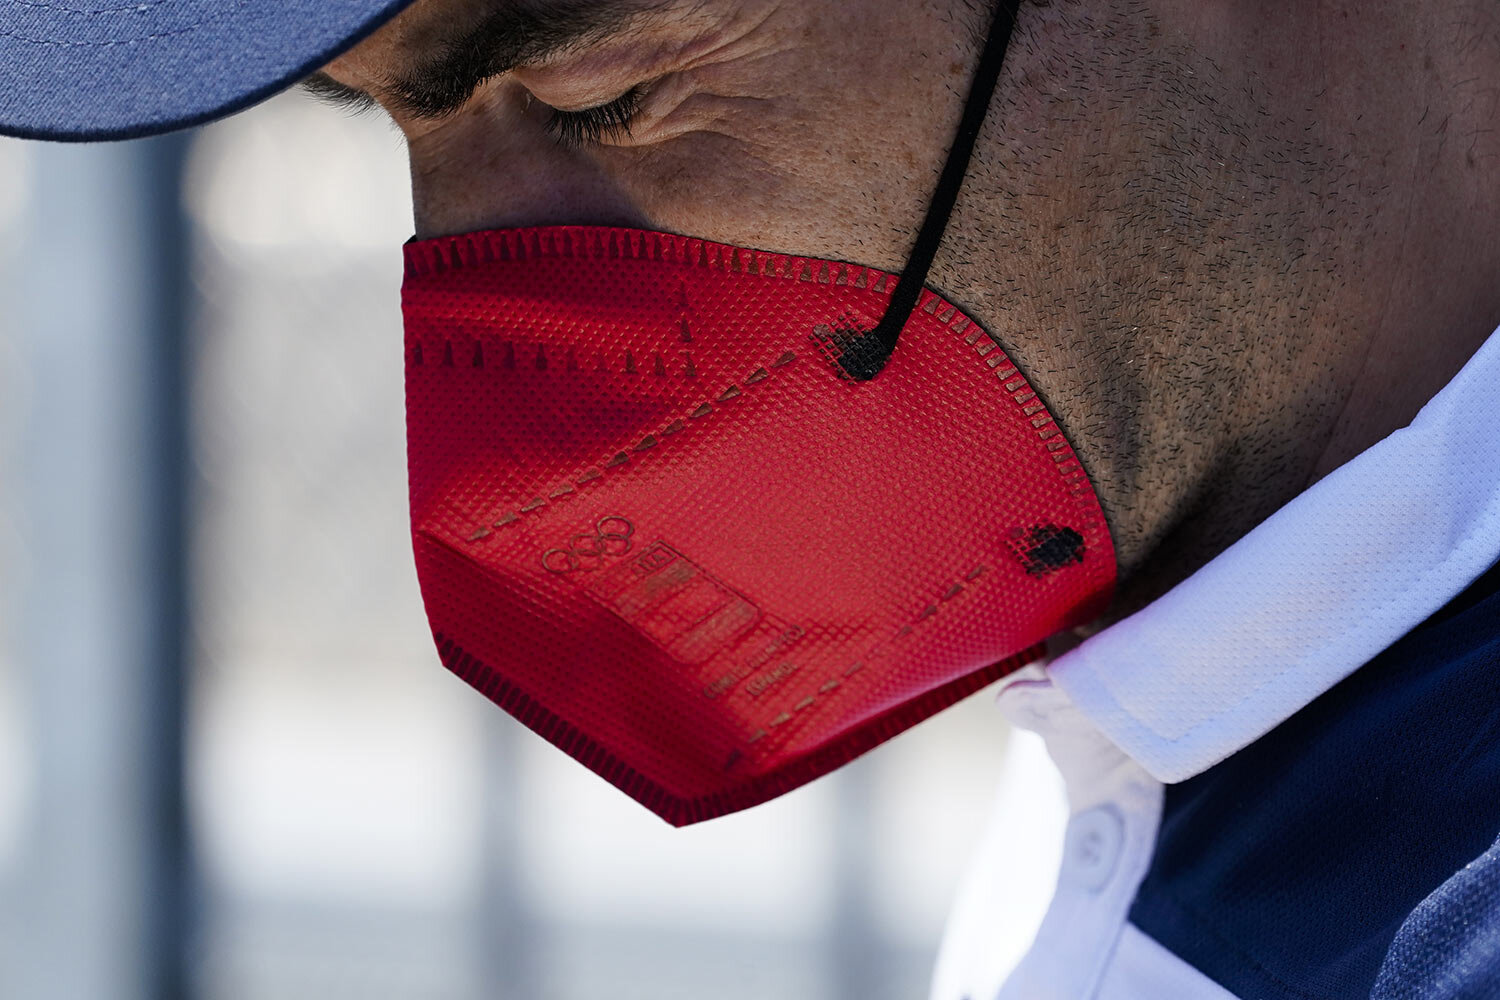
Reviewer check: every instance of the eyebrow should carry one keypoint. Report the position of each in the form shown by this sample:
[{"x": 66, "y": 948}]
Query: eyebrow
[{"x": 518, "y": 33}]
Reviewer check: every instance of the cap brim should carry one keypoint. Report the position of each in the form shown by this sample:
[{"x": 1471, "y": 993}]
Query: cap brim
[{"x": 117, "y": 69}]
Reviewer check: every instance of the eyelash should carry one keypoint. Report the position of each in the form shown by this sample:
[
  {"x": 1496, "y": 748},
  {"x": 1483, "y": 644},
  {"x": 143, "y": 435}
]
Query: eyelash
[{"x": 587, "y": 127}]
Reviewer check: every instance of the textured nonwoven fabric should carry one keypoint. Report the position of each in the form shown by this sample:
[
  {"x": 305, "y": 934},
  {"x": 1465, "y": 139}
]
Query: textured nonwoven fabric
[{"x": 654, "y": 522}]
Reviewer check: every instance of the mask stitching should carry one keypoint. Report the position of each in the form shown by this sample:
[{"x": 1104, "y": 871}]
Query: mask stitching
[
  {"x": 622, "y": 458},
  {"x": 1011, "y": 379},
  {"x": 506, "y": 246},
  {"x": 1021, "y": 393},
  {"x": 879, "y": 649}
]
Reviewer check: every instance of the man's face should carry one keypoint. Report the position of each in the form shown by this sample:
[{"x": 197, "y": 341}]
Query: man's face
[
  {"x": 816, "y": 127},
  {"x": 1143, "y": 226}
]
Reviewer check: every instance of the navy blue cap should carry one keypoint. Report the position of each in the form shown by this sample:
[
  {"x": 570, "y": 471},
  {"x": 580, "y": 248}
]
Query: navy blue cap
[{"x": 118, "y": 69}]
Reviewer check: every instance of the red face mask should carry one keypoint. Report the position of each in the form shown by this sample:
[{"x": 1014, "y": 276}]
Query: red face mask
[{"x": 685, "y": 511}]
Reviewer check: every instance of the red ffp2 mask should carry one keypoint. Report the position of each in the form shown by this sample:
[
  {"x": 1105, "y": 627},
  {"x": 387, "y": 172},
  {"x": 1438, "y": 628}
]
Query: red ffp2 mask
[
  {"x": 686, "y": 511},
  {"x": 654, "y": 522}
]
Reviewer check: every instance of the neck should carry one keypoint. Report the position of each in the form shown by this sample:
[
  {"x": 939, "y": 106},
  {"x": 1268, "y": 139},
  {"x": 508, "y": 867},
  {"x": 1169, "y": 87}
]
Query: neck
[{"x": 1236, "y": 255}]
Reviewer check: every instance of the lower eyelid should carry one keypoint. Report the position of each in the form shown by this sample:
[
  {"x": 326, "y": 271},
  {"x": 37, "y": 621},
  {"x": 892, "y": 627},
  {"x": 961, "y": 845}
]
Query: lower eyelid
[{"x": 660, "y": 100}]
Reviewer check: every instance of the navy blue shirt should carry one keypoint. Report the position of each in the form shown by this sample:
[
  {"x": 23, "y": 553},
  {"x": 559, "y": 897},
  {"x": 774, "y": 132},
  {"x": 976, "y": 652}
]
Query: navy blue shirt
[{"x": 1328, "y": 858}]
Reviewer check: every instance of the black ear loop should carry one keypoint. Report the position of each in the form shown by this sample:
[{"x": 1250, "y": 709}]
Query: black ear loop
[{"x": 863, "y": 356}]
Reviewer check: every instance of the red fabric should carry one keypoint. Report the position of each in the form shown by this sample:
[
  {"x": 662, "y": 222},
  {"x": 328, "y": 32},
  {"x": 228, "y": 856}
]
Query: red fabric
[{"x": 653, "y": 522}]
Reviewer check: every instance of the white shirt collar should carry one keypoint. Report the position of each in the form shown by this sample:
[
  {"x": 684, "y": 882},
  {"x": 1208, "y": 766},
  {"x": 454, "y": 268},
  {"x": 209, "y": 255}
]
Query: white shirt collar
[{"x": 1312, "y": 593}]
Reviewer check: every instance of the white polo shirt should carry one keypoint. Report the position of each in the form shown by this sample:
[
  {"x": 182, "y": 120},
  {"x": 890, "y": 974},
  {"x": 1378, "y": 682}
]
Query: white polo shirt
[{"x": 1292, "y": 608}]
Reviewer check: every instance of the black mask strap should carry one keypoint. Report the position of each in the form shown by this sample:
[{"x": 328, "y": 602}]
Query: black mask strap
[{"x": 863, "y": 356}]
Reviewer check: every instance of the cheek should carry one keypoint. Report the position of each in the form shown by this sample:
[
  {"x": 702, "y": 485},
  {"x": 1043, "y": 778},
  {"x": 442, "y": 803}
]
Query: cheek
[
  {"x": 704, "y": 183},
  {"x": 493, "y": 167},
  {"x": 766, "y": 173}
]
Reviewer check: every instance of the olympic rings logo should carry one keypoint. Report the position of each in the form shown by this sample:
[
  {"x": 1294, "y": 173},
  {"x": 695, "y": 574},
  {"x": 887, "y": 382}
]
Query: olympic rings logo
[{"x": 586, "y": 552}]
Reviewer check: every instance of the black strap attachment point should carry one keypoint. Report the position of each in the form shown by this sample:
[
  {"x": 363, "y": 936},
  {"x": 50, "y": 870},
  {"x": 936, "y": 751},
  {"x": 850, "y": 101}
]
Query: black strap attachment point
[{"x": 862, "y": 357}]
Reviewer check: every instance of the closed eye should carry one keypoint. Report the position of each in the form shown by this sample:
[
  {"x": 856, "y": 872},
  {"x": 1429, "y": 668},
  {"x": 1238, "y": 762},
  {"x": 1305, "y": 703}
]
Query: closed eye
[{"x": 589, "y": 126}]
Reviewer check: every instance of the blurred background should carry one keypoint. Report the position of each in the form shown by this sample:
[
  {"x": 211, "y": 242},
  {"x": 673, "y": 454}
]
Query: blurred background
[{"x": 231, "y": 765}]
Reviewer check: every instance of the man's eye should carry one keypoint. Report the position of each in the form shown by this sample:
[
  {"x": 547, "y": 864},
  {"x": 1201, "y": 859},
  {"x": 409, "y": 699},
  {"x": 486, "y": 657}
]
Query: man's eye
[{"x": 587, "y": 127}]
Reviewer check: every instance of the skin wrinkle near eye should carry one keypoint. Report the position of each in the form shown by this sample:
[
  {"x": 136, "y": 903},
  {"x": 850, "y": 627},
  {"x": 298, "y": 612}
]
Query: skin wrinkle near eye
[
  {"x": 678, "y": 116},
  {"x": 783, "y": 121},
  {"x": 674, "y": 104},
  {"x": 665, "y": 116},
  {"x": 590, "y": 78}
]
